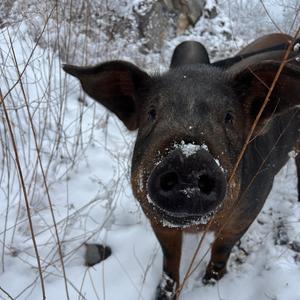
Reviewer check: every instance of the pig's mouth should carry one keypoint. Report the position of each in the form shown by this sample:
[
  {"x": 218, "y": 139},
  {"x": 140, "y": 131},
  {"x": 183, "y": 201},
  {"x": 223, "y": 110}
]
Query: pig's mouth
[
  {"x": 183, "y": 219},
  {"x": 186, "y": 189}
]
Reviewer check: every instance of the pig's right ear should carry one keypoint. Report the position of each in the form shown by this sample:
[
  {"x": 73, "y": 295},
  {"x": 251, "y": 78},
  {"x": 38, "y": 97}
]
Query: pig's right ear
[
  {"x": 252, "y": 85},
  {"x": 113, "y": 84}
]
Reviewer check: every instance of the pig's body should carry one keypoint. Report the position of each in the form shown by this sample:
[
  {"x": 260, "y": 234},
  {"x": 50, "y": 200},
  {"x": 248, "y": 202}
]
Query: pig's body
[
  {"x": 263, "y": 159},
  {"x": 208, "y": 108},
  {"x": 266, "y": 155}
]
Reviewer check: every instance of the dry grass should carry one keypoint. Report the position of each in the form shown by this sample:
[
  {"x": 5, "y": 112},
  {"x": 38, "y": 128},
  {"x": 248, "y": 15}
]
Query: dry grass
[{"x": 40, "y": 147}]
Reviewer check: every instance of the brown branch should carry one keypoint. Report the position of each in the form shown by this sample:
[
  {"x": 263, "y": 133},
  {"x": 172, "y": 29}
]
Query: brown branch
[
  {"x": 246, "y": 143},
  {"x": 248, "y": 186},
  {"x": 41, "y": 166},
  {"x": 23, "y": 187},
  {"x": 267, "y": 98},
  {"x": 295, "y": 18},
  {"x": 189, "y": 270},
  {"x": 6, "y": 293}
]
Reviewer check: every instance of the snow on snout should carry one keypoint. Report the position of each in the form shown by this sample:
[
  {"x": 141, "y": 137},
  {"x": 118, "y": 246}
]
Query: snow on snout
[{"x": 189, "y": 148}]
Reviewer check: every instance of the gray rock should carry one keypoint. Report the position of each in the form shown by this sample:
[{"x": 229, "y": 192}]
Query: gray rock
[
  {"x": 95, "y": 253},
  {"x": 295, "y": 245}
]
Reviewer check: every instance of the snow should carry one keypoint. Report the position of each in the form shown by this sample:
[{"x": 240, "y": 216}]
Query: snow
[
  {"x": 189, "y": 149},
  {"x": 166, "y": 279},
  {"x": 89, "y": 185},
  {"x": 141, "y": 180},
  {"x": 292, "y": 154}
]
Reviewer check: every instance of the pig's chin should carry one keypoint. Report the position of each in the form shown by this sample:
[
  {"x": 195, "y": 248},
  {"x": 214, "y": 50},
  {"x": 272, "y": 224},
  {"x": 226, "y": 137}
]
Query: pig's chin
[{"x": 184, "y": 220}]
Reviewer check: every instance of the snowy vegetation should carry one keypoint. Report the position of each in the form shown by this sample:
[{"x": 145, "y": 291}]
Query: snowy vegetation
[{"x": 65, "y": 161}]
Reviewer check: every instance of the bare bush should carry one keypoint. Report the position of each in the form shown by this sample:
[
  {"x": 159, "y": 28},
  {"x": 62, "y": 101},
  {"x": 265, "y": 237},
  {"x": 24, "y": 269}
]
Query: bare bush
[{"x": 57, "y": 134}]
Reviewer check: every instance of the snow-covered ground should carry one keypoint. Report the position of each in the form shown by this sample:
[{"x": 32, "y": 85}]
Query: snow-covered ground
[{"x": 85, "y": 154}]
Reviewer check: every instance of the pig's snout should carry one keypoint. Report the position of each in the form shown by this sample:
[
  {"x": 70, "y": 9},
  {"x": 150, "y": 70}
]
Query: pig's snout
[{"x": 187, "y": 185}]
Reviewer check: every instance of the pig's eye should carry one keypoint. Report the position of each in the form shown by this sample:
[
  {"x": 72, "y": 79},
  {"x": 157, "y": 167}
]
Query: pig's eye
[
  {"x": 151, "y": 114},
  {"x": 229, "y": 118}
]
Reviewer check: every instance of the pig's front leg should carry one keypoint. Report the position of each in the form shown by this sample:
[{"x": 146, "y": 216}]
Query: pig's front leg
[
  {"x": 219, "y": 256},
  {"x": 170, "y": 241},
  {"x": 222, "y": 247}
]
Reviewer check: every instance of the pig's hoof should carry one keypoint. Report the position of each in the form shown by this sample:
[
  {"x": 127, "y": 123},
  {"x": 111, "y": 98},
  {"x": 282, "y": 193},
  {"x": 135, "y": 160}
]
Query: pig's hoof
[
  {"x": 164, "y": 294},
  {"x": 166, "y": 290},
  {"x": 214, "y": 272},
  {"x": 208, "y": 281},
  {"x": 96, "y": 253}
]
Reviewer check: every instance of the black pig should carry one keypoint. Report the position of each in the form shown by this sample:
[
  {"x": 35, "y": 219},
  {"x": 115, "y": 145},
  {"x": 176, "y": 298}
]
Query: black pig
[{"x": 192, "y": 123}]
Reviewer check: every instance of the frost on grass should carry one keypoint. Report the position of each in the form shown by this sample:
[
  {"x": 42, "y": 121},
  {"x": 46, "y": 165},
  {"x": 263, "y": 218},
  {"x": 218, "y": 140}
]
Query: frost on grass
[{"x": 85, "y": 157}]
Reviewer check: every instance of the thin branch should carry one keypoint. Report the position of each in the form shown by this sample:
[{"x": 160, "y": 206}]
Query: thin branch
[
  {"x": 246, "y": 143},
  {"x": 189, "y": 270},
  {"x": 270, "y": 17},
  {"x": 267, "y": 98},
  {"x": 41, "y": 167},
  {"x": 6, "y": 293},
  {"x": 30, "y": 56},
  {"x": 23, "y": 187}
]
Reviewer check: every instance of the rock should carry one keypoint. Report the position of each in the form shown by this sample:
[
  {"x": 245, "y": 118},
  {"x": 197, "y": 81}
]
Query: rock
[
  {"x": 158, "y": 21},
  {"x": 95, "y": 253},
  {"x": 155, "y": 24},
  {"x": 188, "y": 12},
  {"x": 295, "y": 245}
]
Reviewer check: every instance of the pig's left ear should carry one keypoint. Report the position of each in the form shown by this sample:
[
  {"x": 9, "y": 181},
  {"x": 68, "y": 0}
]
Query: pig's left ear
[
  {"x": 113, "y": 84},
  {"x": 252, "y": 85}
]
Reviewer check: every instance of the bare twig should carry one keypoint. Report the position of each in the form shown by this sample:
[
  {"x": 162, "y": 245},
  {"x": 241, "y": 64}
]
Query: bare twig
[
  {"x": 267, "y": 98},
  {"x": 23, "y": 187},
  {"x": 269, "y": 16},
  {"x": 30, "y": 56},
  {"x": 246, "y": 143},
  {"x": 41, "y": 168},
  {"x": 6, "y": 293}
]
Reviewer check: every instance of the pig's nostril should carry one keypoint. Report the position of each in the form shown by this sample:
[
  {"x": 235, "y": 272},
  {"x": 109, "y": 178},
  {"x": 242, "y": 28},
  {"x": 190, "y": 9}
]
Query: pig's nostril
[
  {"x": 168, "y": 181},
  {"x": 206, "y": 184}
]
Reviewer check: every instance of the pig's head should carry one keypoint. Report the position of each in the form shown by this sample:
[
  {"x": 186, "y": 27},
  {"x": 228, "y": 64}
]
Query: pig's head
[{"x": 192, "y": 122}]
